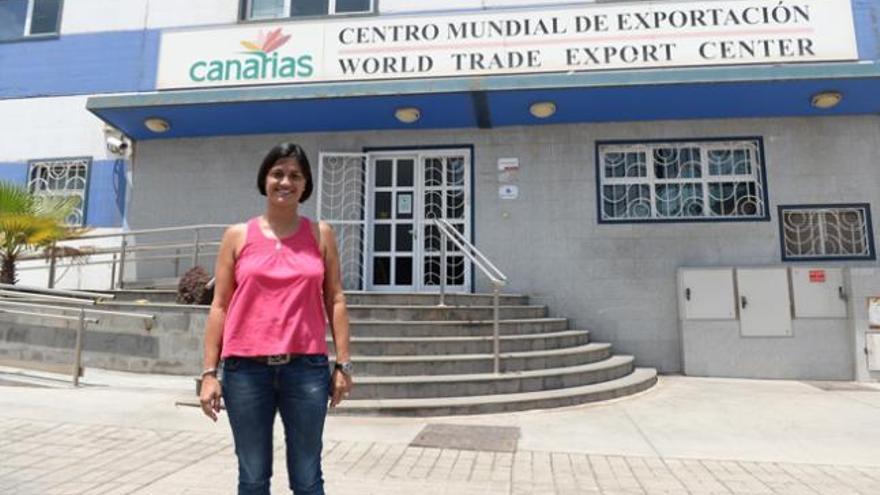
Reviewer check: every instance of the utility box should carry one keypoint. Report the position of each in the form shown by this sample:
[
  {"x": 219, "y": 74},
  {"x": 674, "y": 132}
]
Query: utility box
[
  {"x": 872, "y": 348},
  {"x": 706, "y": 294},
  {"x": 764, "y": 302},
  {"x": 819, "y": 292}
]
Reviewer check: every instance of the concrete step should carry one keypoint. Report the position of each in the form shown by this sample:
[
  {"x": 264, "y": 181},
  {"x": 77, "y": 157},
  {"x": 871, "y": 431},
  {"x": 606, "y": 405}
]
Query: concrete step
[
  {"x": 366, "y": 365},
  {"x": 98, "y": 359},
  {"x": 423, "y": 299},
  {"x": 639, "y": 380},
  {"x": 133, "y": 292},
  {"x": 166, "y": 283},
  {"x": 439, "y": 313},
  {"x": 389, "y": 328},
  {"x": 420, "y": 387},
  {"x": 424, "y": 346},
  {"x": 152, "y": 295}
]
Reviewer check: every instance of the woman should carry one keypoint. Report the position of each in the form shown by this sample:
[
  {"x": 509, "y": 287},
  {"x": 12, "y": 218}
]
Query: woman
[{"x": 276, "y": 277}]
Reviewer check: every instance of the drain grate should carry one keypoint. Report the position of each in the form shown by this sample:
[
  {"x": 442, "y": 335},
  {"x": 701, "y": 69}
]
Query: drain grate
[
  {"x": 831, "y": 386},
  {"x": 468, "y": 437}
]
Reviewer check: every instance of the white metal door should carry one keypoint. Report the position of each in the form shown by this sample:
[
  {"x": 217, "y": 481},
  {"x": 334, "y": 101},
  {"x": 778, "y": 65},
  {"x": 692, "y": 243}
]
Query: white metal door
[
  {"x": 382, "y": 206},
  {"x": 342, "y": 202},
  {"x": 872, "y": 349},
  {"x": 408, "y": 190},
  {"x": 764, "y": 302},
  {"x": 819, "y": 292},
  {"x": 706, "y": 294},
  {"x": 445, "y": 182}
]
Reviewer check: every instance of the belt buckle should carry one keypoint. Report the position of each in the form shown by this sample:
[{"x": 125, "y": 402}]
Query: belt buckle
[{"x": 278, "y": 359}]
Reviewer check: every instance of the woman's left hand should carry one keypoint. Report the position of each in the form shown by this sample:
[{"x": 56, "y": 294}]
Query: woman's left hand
[{"x": 341, "y": 387}]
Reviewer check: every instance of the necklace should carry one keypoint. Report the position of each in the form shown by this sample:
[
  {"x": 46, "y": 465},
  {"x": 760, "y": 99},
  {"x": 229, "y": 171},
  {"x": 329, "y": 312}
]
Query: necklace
[{"x": 278, "y": 237}]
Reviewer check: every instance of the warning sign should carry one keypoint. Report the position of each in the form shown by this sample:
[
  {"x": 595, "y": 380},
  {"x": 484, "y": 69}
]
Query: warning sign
[{"x": 817, "y": 276}]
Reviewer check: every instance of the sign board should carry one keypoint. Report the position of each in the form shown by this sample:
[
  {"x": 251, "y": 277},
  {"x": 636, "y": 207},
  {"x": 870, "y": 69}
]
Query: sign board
[
  {"x": 509, "y": 191},
  {"x": 508, "y": 170},
  {"x": 817, "y": 276},
  {"x": 636, "y": 35},
  {"x": 404, "y": 204}
]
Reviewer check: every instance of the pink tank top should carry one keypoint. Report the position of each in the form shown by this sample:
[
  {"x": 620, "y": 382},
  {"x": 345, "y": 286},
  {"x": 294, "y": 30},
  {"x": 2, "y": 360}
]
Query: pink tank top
[{"x": 277, "y": 306}]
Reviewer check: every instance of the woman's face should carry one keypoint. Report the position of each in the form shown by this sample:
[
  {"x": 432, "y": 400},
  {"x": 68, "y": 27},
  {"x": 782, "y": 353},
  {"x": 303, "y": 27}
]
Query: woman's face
[{"x": 285, "y": 182}]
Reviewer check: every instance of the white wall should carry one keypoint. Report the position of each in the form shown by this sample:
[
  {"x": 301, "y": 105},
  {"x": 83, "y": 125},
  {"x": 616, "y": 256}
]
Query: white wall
[
  {"x": 50, "y": 127},
  {"x": 88, "y": 16},
  {"x": 403, "y": 6},
  {"x": 77, "y": 275}
]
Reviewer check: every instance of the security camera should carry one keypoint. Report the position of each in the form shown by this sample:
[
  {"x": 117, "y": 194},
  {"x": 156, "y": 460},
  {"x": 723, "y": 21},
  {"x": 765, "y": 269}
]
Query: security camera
[{"x": 117, "y": 144}]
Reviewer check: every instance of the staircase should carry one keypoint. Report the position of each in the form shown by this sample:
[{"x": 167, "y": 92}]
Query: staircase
[
  {"x": 415, "y": 358},
  {"x": 412, "y": 357}
]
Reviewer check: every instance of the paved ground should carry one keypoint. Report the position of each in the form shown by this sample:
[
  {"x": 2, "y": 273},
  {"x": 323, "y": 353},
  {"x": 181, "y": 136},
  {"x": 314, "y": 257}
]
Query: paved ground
[{"x": 121, "y": 434}]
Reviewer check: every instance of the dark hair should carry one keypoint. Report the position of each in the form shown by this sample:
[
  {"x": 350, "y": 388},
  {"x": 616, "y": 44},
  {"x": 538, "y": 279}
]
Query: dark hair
[{"x": 279, "y": 152}]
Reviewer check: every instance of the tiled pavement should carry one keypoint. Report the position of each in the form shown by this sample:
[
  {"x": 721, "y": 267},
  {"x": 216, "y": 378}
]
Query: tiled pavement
[{"x": 40, "y": 457}]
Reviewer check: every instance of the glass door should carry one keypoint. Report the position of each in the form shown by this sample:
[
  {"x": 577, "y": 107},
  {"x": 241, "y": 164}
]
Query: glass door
[
  {"x": 392, "y": 222},
  {"x": 408, "y": 191}
]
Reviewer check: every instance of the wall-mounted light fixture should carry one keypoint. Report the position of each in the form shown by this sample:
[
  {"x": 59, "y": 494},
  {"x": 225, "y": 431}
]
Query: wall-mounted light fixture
[
  {"x": 826, "y": 99},
  {"x": 157, "y": 125},
  {"x": 408, "y": 115},
  {"x": 542, "y": 109}
]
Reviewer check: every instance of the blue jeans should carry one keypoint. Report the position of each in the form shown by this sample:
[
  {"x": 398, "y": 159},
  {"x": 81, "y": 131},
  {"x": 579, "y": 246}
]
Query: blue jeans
[{"x": 253, "y": 392}]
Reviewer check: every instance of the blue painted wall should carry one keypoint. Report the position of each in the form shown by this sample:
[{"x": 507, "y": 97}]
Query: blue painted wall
[
  {"x": 118, "y": 61},
  {"x": 14, "y": 172},
  {"x": 106, "y": 194},
  {"x": 867, "y": 17},
  {"x": 126, "y": 61}
]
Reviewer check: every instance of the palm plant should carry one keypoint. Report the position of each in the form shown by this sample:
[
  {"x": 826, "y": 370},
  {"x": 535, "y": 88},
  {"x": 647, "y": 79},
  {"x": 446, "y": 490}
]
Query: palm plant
[{"x": 30, "y": 222}]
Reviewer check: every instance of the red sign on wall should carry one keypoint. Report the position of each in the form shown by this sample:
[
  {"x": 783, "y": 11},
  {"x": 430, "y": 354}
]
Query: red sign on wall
[{"x": 817, "y": 276}]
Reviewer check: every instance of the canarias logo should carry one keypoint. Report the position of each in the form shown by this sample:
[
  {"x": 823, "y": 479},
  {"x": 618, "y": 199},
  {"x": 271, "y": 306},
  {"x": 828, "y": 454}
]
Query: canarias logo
[{"x": 260, "y": 61}]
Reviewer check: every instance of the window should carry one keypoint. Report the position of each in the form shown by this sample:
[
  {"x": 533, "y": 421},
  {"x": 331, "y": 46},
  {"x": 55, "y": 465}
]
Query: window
[
  {"x": 279, "y": 9},
  {"x": 680, "y": 181},
  {"x": 826, "y": 232},
  {"x": 64, "y": 177},
  {"x": 25, "y": 18}
]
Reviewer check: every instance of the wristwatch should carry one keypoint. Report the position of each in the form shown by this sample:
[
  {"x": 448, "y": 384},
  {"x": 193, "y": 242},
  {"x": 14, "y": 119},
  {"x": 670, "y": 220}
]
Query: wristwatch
[{"x": 345, "y": 367}]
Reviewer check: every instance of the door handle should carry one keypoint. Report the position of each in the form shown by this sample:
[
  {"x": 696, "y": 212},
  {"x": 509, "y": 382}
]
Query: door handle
[
  {"x": 687, "y": 293},
  {"x": 743, "y": 301},
  {"x": 840, "y": 293}
]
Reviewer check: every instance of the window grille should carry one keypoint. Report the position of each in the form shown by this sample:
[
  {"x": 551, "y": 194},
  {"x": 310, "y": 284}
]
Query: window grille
[
  {"x": 28, "y": 18},
  {"x": 826, "y": 232},
  {"x": 64, "y": 178},
  {"x": 681, "y": 180},
  {"x": 279, "y": 9}
]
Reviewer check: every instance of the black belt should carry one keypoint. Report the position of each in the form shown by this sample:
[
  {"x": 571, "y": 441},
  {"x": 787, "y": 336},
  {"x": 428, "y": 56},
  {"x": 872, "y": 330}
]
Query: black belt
[{"x": 275, "y": 360}]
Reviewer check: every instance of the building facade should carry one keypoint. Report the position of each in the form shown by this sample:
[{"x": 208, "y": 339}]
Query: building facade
[{"x": 591, "y": 150}]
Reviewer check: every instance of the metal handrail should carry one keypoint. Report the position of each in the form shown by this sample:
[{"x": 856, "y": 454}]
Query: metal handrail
[
  {"x": 480, "y": 260},
  {"x": 471, "y": 251},
  {"x": 12, "y": 304},
  {"x": 161, "y": 230},
  {"x": 25, "y": 296},
  {"x": 58, "y": 292},
  {"x": 193, "y": 250}
]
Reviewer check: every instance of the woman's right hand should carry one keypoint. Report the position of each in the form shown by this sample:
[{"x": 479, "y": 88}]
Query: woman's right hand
[{"x": 210, "y": 396}]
